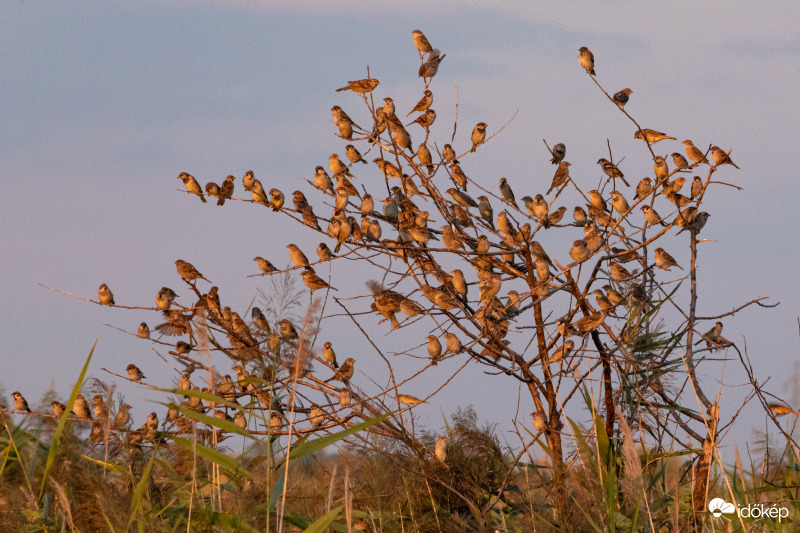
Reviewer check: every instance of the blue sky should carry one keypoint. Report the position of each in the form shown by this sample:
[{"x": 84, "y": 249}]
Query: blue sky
[{"x": 103, "y": 105}]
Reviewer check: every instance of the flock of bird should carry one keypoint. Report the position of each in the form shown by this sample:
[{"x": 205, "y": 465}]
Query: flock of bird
[{"x": 498, "y": 243}]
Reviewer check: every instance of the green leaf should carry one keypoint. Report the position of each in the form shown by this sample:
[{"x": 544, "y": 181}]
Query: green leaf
[
  {"x": 140, "y": 487},
  {"x": 110, "y": 466},
  {"x": 51, "y": 455},
  {"x": 322, "y": 523},
  {"x": 225, "y": 425},
  {"x": 316, "y": 445},
  {"x": 225, "y": 461}
]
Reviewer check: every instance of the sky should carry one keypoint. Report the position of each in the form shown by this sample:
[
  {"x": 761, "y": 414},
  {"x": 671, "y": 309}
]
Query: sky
[{"x": 103, "y": 106}]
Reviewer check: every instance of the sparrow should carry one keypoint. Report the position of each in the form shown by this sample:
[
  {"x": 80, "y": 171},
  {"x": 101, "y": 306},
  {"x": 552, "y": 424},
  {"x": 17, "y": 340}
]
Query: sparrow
[
  {"x": 678, "y": 199},
  {"x": 565, "y": 329},
  {"x": 324, "y": 252},
  {"x": 402, "y": 138},
  {"x": 712, "y": 336},
  {"x": 339, "y": 115},
  {"x": 554, "y": 217},
  {"x": 134, "y": 373},
  {"x": 336, "y": 165},
  {"x": 504, "y": 225},
  {"x": 539, "y": 419},
  {"x": 345, "y": 230},
  {"x": 558, "y": 153},
  {"x": 434, "y": 349},
  {"x": 697, "y": 187},
  {"x": 561, "y": 176},
  {"x": 185, "y": 382},
  {"x": 388, "y": 108},
  {"x": 508, "y": 194},
  {"x": 297, "y": 255},
  {"x": 373, "y": 230},
  {"x": 345, "y": 372},
  {"x": 426, "y": 119},
  {"x": 81, "y": 408},
  {"x": 603, "y": 301},
  {"x": 164, "y": 298},
  {"x": 248, "y": 179},
  {"x": 421, "y": 42},
  {"x": 144, "y": 331},
  {"x": 453, "y": 344},
  {"x": 674, "y": 186},
  {"x": 58, "y": 408},
  {"x": 240, "y": 420},
  {"x": 342, "y": 198},
  {"x": 664, "y": 260},
  {"x": 440, "y": 450},
  {"x": 461, "y": 198},
  {"x": 449, "y": 154},
  {"x": 104, "y": 295},
  {"x": 313, "y": 281},
  {"x": 225, "y": 190},
  {"x": 265, "y": 266},
  {"x": 276, "y": 199},
  {"x": 99, "y": 408},
  {"x": 660, "y": 168},
  {"x": 651, "y": 216},
  {"x": 694, "y": 153},
  {"x": 579, "y": 216},
  {"x": 589, "y": 322},
  {"x": 353, "y": 154},
  {"x": 562, "y": 352},
  {"x": 679, "y": 161},
  {"x": 720, "y": 157},
  {"x": 619, "y": 203},
  {"x": 611, "y": 170},
  {"x": 407, "y": 399},
  {"x": 275, "y": 422},
  {"x": 485, "y": 210},
  {"x": 212, "y": 189},
  {"x": 596, "y": 200},
  {"x": 329, "y": 355},
  {"x": 424, "y": 102},
  {"x": 367, "y": 205},
  {"x": 191, "y": 185},
  {"x": 478, "y": 135},
  {"x": 425, "y": 158},
  {"x": 123, "y": 417},
  {"x": 644, "y": 187},
  {"x": 779, "y": 409},
  {"x": 187, "y": 271},
  {"x": 621, "y": 98},
  {"x": 388, "y": 168},
  {"x": 586, "y": 59},
  {"x": 579, "y": 252},
  {"x": 699, "y": 221},
  {"x": 287, "y": 330},
  {"x": 431, "y": 66},
  {"x": 360, "y": 86},
  {"x": 619, "y": 272},
  {"x": 458, "y": 176},
  {"x": 257, "y": 190},
  {"x": 651, "y": 136},
  {"x": 20, "y": 403}
]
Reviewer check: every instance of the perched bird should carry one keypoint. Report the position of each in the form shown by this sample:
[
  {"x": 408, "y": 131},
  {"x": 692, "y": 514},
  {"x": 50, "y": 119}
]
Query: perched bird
[
  {"x": 58, "y": 408},
  {"x": 191, "y": 185},
  {"x": 478, "y": 135},
  {"x": 485, "y": 210},
  {"x": 259, "y": 195},
  {"x": 134, "y": 373},
  {"x": 424, "y": 102},
  {"x": 276, "y": 199},
  {"x": 619, "y": 203},
  {"x": 586, "y": 59},
  {"x": 780, "y": 409},
  {"x": 144, "y": 331},
  {"x": 697, "y": 187},
  {"x": 345, "y": 372},
  {"x": 123, "y": 416},
  {"x": 164, "y": 298},
  {"x": 345, "y": 230},
  {"x": 421, "y": 42},
  {"x": 313, "y": 281},
  {"x": 651, "y": 216},
  {"x": 248, "y": 179},
  {"x": 621, "y": 98},
  {"x": 426, "y": 119},
  {"x": 425, "y": 158},
  {"x": 579, "y": 252},
  {"x": 694, "y": 153},
  {"x": 448, "y": 153},
  {"x": 651, "y": 136},
  {"x": 562, "y": 352},
  {"x": 104, "y": 295},
  {"x": 558, "y": 153},
  {"x": 259, "y": 320},
  {"x": 561, "y": 176},
  {"x": 240, "y": 420},
  {"x": 713, "y": 337},
  {"x": 440, "y": 450},
  {"x": 434, "y": 348},
  {"x": 388, "y": 108},
  {"x": 699, "y": 222},
  {"x": 324, "y": 253},
  {"x": 453, "y": 344},
  {"x": 720, "y": 157},
  {"x": 321, "y": 179},
  {"x": 275, "y": 422},
  {"x": 367, "y": 205},
  {"x": 265, "y": 266},
  {"x": 353, "y": 154},
  {"x": 297, "y": 255},
  {"x": 431, "y": 66},
  {"x": 212, "y": 189},
  {"x": 225, "y": 190},
  {"x": 20, "y": 403},
  {"x": 336, "y": 165},
  {"x": 644, "y": 187},
  {"x": 679, "y": 161},
  {"x": 458, "y": 176},
  {"x": 611, "y": 170},
  {"x": 81, "y": 408},
  {"x": 589, "y": 322},
  {"x": 660, "y": 168},
  {"x": 462, "y": 198},
  {"x": 664, "y": 260},
  {"x": 407, "y": 399},
  {"x": 187, "y": 271},
  {"x": 329, "y": 355},
  {"x": 596, "y": 200},
  {"x": 388, "y": 168},
  {"x": 100, "y": 409},
  {"x": 360, "y": 86},
  {"x": 579, "y": 216},
  {"x": 508, "y": 194},
  {"x": 539, "y": 419},
  {"x": 619, "y": 272},
  {"x": 555, "y": 217}
]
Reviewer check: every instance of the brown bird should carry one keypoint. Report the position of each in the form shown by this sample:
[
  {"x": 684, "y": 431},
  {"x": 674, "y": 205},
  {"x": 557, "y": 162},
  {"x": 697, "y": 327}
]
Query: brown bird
[
  {"x": 287, "y": 330},
  {"x": 611, "y": 170},
  {"x": 421, "y": 42},
  {"x": 123, "y": 417},
  {"x": 248, "y": 179},
  {"x": 104, "y": 295},
  {"x": 694, "y": 153},
  {"x": 478, "y": 135},
  {"x": 590, "y": 322},
  {"x": 388, "y": 168},
  {"x": 212, "y": 189},
  {"x": 651, "y": 216},
  {"x": 424, "y": 102},
  {"x": 134, "y": 373},
  {"x": 586, "y": 59},
  {"x": 360, "y": 86},
  {"x": 621, "y": 98},
  {"x": 191, "y": 185},
  {"x": 619, "y": 272},
  {"x": 720, "y": 157},
  {"x": 187, "y": 271},
  {"x": 407, "y": 399},
  {"x": 353, "y": 154},
  {"x": 345, "y": 372},
  {"x": 20, "y": 403},
  {"x": 680, "y": 161},
  {"x": 644, "y": 187},
  {"x": 313, "y": 281},
  {"x": 297, "y": 255},
  {"x": 579, "y": 252},
  {"x": 664, "y": 260},
  {"x": 225, "y": 190},
  {"x": 431, "y": 66},
  {"x": 561, "y": 176},
  {"x": 58, "y": 408},
  {"x": 651, "y": 136},
  {"x": 265, "y": 266}
]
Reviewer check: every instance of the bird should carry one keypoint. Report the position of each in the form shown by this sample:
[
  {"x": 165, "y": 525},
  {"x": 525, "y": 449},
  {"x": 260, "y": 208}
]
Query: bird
[
  {"x": 426, "y": 119},
  {"x": 586, "y": 59},
  {"x": 421, "y": 42},
  {"x": 660, "y": 168},
  {"x": 697, "y": 187},
  {"x": 651, "y": 216},
  {"x": 297, "y": 255},
  {"x": 434, "y": 349},
  {"x": 699, "y": 221},
  {"x": 619, "y": 272},
  {"x": 713, "y": 337},
  {"x": 123, "y": 416},
  {"x": 20, "y": 403},
  {"x": 554, "y": 217},
  {"x": 611, "y": 170},
  {"x": 619, "y": 203},
  {"x": 561, "y": 176},
  {"x": 589, "y": 322},
  {"x": 596, "y": 200},
  {"x": 259, "y": 195},
  {"x": 579, "y": 216},
  {"x": 458, "y": 176},
  {"x": 276, "y": 198},
  {"x": 353, "y": 154},
  {"x": 58, "y": 408},
  {"x": 485, "y": 210},
  {"x": 407, "y": 399},
  {"x": 388, "y": 109},
  {"x": 191, "y": 184},
  {"x": 508, "y": 194},
  {"x": 559, "y": 152},
  {"x": 81, "y": 408},
  {"x": 644, "y": 187},
  {"x": 453, "y": 343},
  {"x": 134, "y": 373},
  {"x": 225, "y": 190},
  {"x": 313, "y": 281},
  {"x": 345, "y": 230},
  {"x": 478, "y": 135},
  {"x": 462, "y": 198},
  {"x": 345, "y": 372},
  {"x": 425, "y": 158},
  {"x": 336, "y": 165},
  {"x": 265, "y": 266},
  {"x": 440, "y": 450},
  {"x": 621, "y": 98},
  {"x": 259, "y": 320},
  {"x": 780, "y": 409},
  {"x": 329, "y": 355},
  {"x": 694, "y": 153},
  {"x": 212, "y": 189},
  {"x": 539, "y": 421},
  {"x": 562, "y": 352},
  {"x": 164, "y": 298},
  {"x": 579, "y": 252},
  {"x": 679, "y": 161},
  {"x": 651, "y": 136},
  {"x": 449, "y": 154},
  {"x": 603, "y": 301},
  {"x": 360, "y": 86},
  {"x": 431, "y": 66},
  {"x": 248, "y": 179},
  {"x": 324, "y": 253},
  {"x": 104, "y": 295},
  {"x": 144, "y": 331},
  {"x": 388, "y": 168},
  {"x": 424, "y": 102},
  {"x": 187, "y": 271},
  {"x": 664, "y": 260},
  {"x": 720, "y": 157}
]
